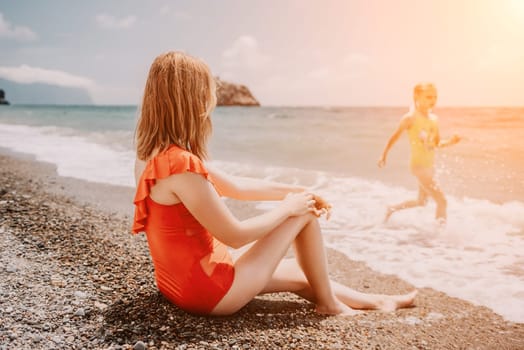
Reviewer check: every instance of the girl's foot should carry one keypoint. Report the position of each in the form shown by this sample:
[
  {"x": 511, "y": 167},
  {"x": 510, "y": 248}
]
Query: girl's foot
[
  {"x": 394, "y": 302},
  {"x": 338, "y": 308},
  {"x": 389, "y": 211}
]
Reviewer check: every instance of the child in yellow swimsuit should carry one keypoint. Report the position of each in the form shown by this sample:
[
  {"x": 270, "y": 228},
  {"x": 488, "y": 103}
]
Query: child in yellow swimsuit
[{"x": 423, "y": 133}]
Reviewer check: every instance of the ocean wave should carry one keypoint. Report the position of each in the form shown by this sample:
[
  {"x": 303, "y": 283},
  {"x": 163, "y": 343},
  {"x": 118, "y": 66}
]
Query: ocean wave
[
  {"x": 477, "y": 256},
  {"x": 75, "y": 155}
]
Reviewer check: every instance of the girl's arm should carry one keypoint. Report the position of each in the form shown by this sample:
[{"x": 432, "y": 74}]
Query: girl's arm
[
  {"x": 245, "y": 188},
  {"x": 251, "y": 189},
  {"x": 202, "y": 200},
  {"x": 403, "y": 125},
  {"x": 449, "y": 142}
]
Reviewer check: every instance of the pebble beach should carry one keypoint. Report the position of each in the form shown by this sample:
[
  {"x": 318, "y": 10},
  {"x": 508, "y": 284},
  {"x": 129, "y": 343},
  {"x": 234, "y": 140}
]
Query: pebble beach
[{"x": 73, "y": 277}]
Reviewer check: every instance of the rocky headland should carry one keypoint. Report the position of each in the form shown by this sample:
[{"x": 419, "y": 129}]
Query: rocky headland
[{"x": 229, "y": 94}]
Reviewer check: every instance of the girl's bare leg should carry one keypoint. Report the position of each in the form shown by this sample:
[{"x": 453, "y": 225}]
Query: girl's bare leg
[
  {"x": 420, "y": 201},
  {"x": 311, "y": 257},
  {"x": 288, "y": 277},
  {"x": 255, "y": 268},
  {"x": 431, "y": 187}
]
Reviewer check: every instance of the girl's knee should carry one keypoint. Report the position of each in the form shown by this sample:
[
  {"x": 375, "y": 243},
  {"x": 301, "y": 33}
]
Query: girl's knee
[
  {"x": 226, "y": 310},
  {"x": 440, "y": 199},
  {"x": 305, "y": 219},
  {"x": 313, "y": 218},
  {"x": 422, "y": 202}
]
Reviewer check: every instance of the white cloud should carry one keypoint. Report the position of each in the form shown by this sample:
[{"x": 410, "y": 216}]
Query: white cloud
[
  {"x": 244, "y": 53},
  {"x": 7, "y": 30},
  {"x": 353, "y": 59},
  {"x": 27, "y": 75},
  {"x": 166, "y": 10},
  {"x": 350, "y": 66},
  {"x": 320, "y": 73},
  {"x": 111, "y": 22}
]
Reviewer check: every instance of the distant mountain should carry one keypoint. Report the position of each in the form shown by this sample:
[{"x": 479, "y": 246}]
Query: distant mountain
[
  {"x": 3, "y": 101},
  {"x": 43, "y": 94}
]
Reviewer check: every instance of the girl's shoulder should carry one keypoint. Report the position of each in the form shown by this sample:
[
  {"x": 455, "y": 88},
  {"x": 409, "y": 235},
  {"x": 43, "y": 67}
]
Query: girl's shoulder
[
  {"x": 171, "y": 161},
  {"x": 408, "y": 118},
  {"x": 178, "y": 160}
]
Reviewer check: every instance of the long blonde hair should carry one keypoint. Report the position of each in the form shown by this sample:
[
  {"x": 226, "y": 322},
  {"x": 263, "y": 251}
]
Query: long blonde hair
[{"x": 179, "y": 96}]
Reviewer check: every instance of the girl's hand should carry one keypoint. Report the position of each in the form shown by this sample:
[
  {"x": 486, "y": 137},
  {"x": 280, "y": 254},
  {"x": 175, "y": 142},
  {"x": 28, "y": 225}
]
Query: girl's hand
[
  {"x": 299, "y": 203},
  {"x": 381, "y": 162},
  {"x": 451, "y": 141},
  {"x": 455, "y": 139},
  {"x": 322, "y": 207}
]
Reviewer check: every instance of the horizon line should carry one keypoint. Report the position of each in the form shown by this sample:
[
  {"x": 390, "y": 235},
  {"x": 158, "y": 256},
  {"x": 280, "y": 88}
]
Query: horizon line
[{"x": 263, "y": 106}]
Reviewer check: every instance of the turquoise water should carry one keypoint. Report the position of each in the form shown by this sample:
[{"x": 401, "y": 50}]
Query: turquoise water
[
  {"x": 488, "y": 164},
  {"x": 82, "y": 118},
  {"x": 477, "y": 256}
]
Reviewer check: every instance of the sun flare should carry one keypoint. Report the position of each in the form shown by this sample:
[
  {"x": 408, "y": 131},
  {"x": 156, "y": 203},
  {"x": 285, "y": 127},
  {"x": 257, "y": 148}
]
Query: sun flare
[{"x": 517, "y": 8}]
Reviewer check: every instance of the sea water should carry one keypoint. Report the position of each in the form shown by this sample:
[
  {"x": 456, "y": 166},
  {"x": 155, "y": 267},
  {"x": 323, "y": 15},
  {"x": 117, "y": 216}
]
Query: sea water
[{"x": 478, "y": 256}]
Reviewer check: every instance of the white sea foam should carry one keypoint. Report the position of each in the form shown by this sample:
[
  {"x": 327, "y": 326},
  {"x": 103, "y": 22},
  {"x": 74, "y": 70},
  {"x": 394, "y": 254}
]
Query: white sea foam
[
  {"x": 477, "y": 256},
  {"x": 75, "y": 155}
]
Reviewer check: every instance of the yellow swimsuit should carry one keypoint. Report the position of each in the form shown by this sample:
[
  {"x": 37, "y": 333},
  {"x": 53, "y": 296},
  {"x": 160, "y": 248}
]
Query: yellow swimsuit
[{"x": 423, "y": 138}]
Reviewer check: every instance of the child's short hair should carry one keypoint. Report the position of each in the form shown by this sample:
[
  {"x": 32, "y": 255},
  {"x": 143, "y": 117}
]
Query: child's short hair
[{"x": 423, "y": 86}]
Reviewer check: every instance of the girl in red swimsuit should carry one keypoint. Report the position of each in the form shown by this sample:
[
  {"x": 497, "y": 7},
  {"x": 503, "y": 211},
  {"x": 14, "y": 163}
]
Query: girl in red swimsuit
[{"x": 189, "y": 228}]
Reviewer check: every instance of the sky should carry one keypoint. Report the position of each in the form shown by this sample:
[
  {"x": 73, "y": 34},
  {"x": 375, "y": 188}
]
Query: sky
[{"x": 288, "y": 53}]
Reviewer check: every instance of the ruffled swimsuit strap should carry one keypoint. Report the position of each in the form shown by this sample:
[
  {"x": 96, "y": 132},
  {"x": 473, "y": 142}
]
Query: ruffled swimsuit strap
[{"x": 173, "y": 160}]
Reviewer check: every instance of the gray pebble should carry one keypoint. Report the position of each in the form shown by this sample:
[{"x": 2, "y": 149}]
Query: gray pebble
[
  {"x": 139, "y": 346},
  {"x": 37, "y": 338},
  {"x": 80, "y": 312},
  {"x": 80, "y": 294},
  {"x": 57, "y": 339}
]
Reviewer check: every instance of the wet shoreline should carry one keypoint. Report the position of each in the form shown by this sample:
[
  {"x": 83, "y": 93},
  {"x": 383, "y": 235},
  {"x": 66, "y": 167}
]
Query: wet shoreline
[{"x": 72, "y": 277}]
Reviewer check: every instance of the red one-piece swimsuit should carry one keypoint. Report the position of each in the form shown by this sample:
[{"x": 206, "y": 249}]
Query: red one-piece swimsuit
[{"x": 192, "y": 268}]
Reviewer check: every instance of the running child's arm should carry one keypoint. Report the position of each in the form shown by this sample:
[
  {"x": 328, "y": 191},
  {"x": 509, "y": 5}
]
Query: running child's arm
[
  {"x": 403, "y": 125},
  {"x": 449, "y": 142}
]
